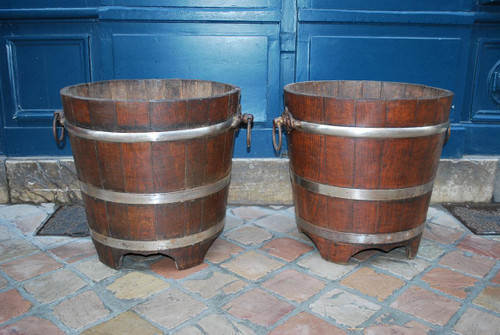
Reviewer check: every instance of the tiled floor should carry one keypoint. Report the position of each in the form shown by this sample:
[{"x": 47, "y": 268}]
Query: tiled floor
[{"x": 261, "y": 276}]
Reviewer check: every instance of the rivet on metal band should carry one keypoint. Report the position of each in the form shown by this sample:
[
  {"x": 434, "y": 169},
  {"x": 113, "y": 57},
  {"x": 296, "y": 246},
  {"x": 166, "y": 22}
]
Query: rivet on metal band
[
  {"x": 155, "y": 198},
  {"x": 362, "y": 194},
  {"x": 154, "y": 136},
  {"x": 358, "y": 238},
  {"x": 158, "y": 245}
]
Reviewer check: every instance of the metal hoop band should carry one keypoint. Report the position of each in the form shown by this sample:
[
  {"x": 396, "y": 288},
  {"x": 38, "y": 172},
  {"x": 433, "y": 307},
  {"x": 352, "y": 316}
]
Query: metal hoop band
[
  {"x": 357, "y": 238},
  {"x": 154, "y": 136},
  {"x": 361, "y": 132},
  {"x": 155, "y": 198},
  {"x": 159, "y": 245},
  {"x": 362, "y": 194}
]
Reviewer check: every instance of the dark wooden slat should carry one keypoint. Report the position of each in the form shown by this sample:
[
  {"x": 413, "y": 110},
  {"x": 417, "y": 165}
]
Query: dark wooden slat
[
  {"x": 133, "y": 116},
  {"x": 118, "y": 221},
  {"x": 110, "y": 166},
  {"x": 137, "y": 167},
  {"x": 169, "y": 166}
]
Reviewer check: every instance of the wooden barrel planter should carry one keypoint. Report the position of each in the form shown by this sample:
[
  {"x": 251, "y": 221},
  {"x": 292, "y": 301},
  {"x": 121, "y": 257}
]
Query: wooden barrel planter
[
  {"x": 363, "y": 159},
  {"x": 153, "y": 158}
]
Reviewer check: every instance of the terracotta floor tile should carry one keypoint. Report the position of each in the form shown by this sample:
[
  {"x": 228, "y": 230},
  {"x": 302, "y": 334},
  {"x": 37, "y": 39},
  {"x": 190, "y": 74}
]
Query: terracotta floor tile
[
  {"x": 344, "y": 307},
  {"x": 426, "y": 305},
  {"x": 75, "y": 251},
  {"x": 32, "y": 325},
  {"x": 216, "y": 324},
  {"x": 30, "y": 266},
  {"x": 3, "y": 282},
  {"x": 166, "y": 268},
  {"x": 369, "y": 282},
  {"x": 171, "y": 308},
  {"x": 294, "y": 285},
  {"x": 29, "y": 223},
  {"x": 13, "y": 304},
  {"x": 81, "y": 310},
  {"x": 441, "y": 234},
  {"x": 450, "y": 282},
  {"x": 471, "y": 264},
  {"x": 481, "y": 246},
  {"x": 252, "y": 265},
  {"x": 277, "y": 222},
  {"x": 249, "y": 212},
  {"x": 410, "y": 328},
  {"x": 446, "y": 220},
  {"x": 222, "y": 250},
  {"x": 128, "y": 323},
  {"x": 137, "y": 285},
  {"x": 232, "y": 222},
  {"x": 249, "y": 235},
  {"x": 286, "y": 248},
  {"x": 306, "y": 323},
  {"x": 216, "y": 283},
  {"x": 258, "y": 307},
  {"x": 477, "y": 322},
  {"x": 489, "y": 298}
]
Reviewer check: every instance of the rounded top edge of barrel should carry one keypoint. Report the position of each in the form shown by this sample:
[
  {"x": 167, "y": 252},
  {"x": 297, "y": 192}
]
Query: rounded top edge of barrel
[
  {"x": 367, "y": 90},
  {"x": 149, "y": 90}
]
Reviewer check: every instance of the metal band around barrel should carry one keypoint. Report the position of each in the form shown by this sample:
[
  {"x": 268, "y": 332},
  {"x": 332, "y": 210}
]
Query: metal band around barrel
[
  {"x": 154, "y": 136},
  {"x": 404, "y": 132},
  {"x": 362, "y": 194},
  {"x": 358, "y": 238},
  {"x": 146, "y": 246},
  {"x": 155, "y": 198}
]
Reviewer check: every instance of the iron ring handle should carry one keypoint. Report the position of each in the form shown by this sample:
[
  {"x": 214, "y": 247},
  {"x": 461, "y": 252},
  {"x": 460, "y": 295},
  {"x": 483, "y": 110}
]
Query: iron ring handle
[
  {"x": 277, "y": 122},
  {"x": 248, "y": 119},
  {"x": 58, "y": 118}
]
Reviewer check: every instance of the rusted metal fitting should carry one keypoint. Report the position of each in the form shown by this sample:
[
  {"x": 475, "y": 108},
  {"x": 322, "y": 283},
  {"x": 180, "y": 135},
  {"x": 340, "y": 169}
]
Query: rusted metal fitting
[
  {"x": 58, "y": 118},
  {"x": 246, "y": 119},
  {"x": 286, "y": 120}
]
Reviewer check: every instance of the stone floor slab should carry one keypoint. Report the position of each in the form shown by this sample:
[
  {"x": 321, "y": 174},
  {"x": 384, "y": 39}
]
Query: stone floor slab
[
  {"x": 216, "y": 283},
  {"x": 128, "y": 323},
  {"x": 166, "y": 268},
  {"x": 369, "y": 282},
  {"x": 489, "y": 298},
  {"x": 95, "y": 270},
  {"x": 429, "y": 250},
  {"x": 14, "y": 248},
  {"x": 306, "y": 324},
  {"x": 468, "y": 263},
  {"x": 410, "y": 328},
  {"x": 216, "y": 324},
  {"x": 317, "y": 265},
  {"x": 344, "y": 307},
  {"x": 277, "y": 222},
  {"x": 286, "y": 248},
  {"x": 258, "y": 307},
  {"x": 171, "y": 308},
  {"x": 441, "y": 234},
  {"x": 32, "y": 325},
  {"x": 31, "y": 266},
  {"x": 137, "y": 285},
  {"x": 249, "y": 212},
  {"x": 54, "y": 286},
  {"x": 426, "y": 305},
  {"x": 496, "y": 279},
  {"x": 450, "y": 282},
  {"x": 252, "y": 265},
  {"x": 12, "y": 305},
  {"x": 397, "y": 263},
  {"x": 75, "y": 251},
  {"x": 477, "y": 322},
  {"x": 481, "y": 246},
  {"x": 81, "y": 310},
  {"x": 294, "y": 285},
  {"x": 222, "y": 250},
  {"x": 249, "y": 235}
]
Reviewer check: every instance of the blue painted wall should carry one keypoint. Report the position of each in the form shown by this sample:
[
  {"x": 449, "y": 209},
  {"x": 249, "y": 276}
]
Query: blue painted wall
[{"x": 259, "y": 45}]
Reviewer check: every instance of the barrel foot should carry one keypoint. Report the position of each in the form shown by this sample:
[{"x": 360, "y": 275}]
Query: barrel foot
[
  {"x": 412, "y": 247},
  {"x": 191, "y": 256},
  {"x": 109, "y": 256}
]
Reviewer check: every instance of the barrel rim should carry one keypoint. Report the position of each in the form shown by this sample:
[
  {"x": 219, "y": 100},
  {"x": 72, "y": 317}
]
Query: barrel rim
[
  {"x": 445, "y": 93},
  {"x": 65, "y": 90}
]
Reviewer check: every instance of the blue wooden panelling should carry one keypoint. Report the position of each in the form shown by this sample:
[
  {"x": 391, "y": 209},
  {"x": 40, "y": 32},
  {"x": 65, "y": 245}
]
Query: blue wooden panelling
[{"x": 259, "y": 45}]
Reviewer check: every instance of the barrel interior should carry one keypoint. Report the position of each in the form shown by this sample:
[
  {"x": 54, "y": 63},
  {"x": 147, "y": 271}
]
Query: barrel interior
[
  {"x": 149, "y": 89},
  {"x": 367, "y": 90}
]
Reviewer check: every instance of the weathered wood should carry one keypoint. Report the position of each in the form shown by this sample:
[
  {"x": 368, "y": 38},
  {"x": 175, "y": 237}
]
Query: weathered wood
[
  {"x": 364, "y": 163},
  {"x": 152, "y": 168}
]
